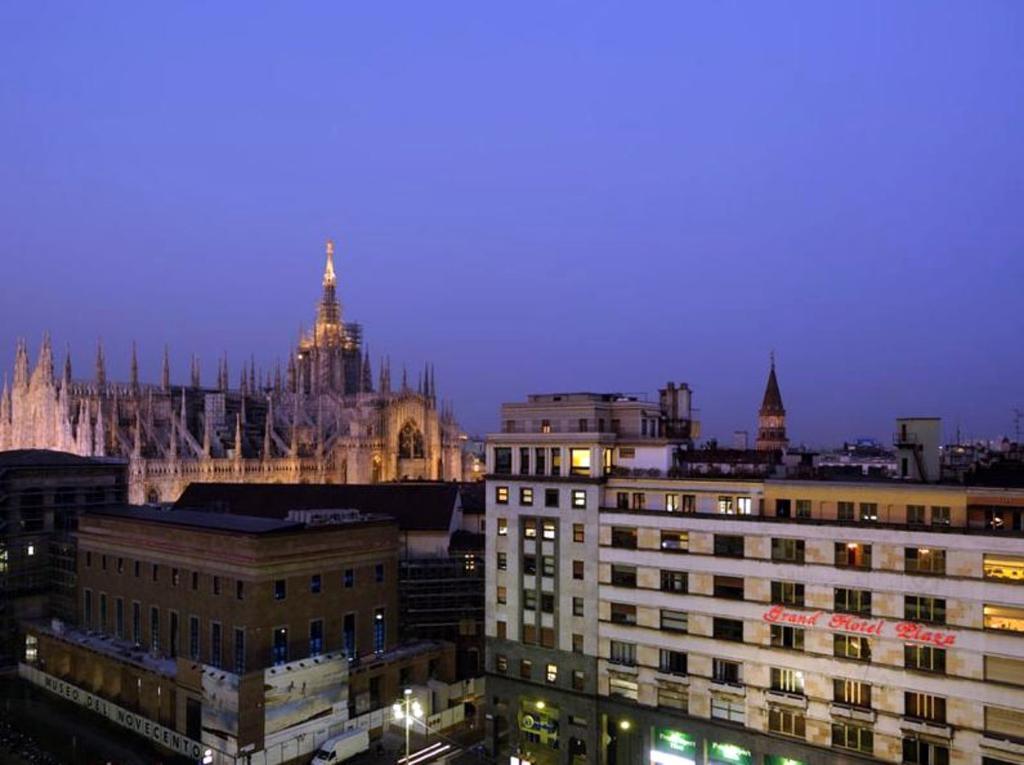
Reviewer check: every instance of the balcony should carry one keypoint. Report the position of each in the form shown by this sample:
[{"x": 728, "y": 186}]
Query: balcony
[
  {"x": 728, "y": 688},
  {"x": 994, "y": 741},
  {"x": 850, "y": 712},
  {"x": 782, "y": 698},
  {"x": 927, "y": 727}
]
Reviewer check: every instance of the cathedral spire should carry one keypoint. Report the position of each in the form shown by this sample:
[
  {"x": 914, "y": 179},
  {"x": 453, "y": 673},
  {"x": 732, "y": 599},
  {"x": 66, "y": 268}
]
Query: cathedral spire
[
  {"x": 99, "y": 434},
  {"x": 367, "y": 372},
  {"x": 207, "y": 435},
  {"x": 67, "y": 364},
  {"x": 267, "y": 438},
  {"x": 329, "y": 311},
  {"x": 330, "y": 279},
  {"x": 238, "y": 438},
  {"x": 135, "y": 368},
  {"x": 43, "y": 372},
  {"x": 165, "y": 373},
  {"x": 252, "y": 374},
  {"x": 101, "y": 366},
  {"x": 196, "y": 378},
  {"x": 20, "y": 367}
]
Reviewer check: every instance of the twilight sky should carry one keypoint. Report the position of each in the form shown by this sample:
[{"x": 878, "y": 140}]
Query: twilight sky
[{"x": 535, "y": 196}]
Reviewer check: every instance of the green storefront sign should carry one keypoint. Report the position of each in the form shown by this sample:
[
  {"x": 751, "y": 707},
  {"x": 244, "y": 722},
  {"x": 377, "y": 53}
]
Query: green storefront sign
[
  {"x": 778, "y": 759},
  {"x": 730, "y": 754},
  {"x": 674, "y": 742}
]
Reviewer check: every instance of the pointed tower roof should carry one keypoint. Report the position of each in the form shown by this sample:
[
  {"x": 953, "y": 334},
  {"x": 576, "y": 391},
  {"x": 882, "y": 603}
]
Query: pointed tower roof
[
  {"x": 101, "y": 365},
  {"x": 772, "y": 402},
  {"x": 328, "y": 313},
  {"x": 165, "y": 373},
  {"x": 134, "y": 367}
]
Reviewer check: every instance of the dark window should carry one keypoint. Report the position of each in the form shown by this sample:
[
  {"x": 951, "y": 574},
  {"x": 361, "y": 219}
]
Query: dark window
[
  {"x": 730, "y": 587},
  {"x": 623, "y": 613},
  {"x": 239, "y": 650},
  {"x": 350, "y": 577},
  {"x": 193, "y": 638},
  {"x": 925, "y": 658},
  {"x": 723, "y": 671},
  {"x": 215, "y": 645},
  {"x": 216, "y": 585},
  {"x": 503, "y": 460},
  {"x": 674, "y": 581},
  {"x": 920, "y": 608},
  {"x": 279, "y": 652},
  {"x": 348, "y": 636},
  {"x": 728, "y": 546},
  {"x": 672, "y": 662},
  {"x": 727, "y": 629},
  {"x": 783, "y": 636},
  {"x": 851, "y": 647},
  {"x": 280, "y": 589},
  {"x": 550, "y": 497},
  {"x": 782, "y": 508},
  {"x": 315, "y": 584},
  {"x": 379, "y": 630},
  {"x": 918, "y": 752},
  {"x": 624, "y": 537},
  {"x": 622, "y": 500},
  {"x": 788, "y": 593},
  {"x": 378, "y": 572},
  {"x": 849, "y": 601},
  {"x": 316, "y": 637},
  {"x": 788, "y": 550},
  {"x": 239, "y": 590},
  {"x": 623, "y": 576},
  {"x": 524, "y": 460}
]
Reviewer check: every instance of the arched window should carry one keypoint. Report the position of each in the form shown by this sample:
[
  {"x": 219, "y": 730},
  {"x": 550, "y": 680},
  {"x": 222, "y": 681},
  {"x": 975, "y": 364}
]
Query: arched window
[
  {"x": 153, "y": 497},
  {"x": 410, "y": 442}
]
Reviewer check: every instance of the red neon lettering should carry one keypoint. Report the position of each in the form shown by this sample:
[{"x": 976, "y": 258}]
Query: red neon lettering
[{"x": 919, "y": 634}]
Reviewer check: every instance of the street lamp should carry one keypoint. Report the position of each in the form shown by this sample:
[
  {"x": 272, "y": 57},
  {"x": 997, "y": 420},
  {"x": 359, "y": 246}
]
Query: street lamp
[{"x": 407, "y": 710}]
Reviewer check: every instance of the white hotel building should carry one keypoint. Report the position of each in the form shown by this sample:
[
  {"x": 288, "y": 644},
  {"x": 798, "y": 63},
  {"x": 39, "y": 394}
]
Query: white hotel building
[{"x": 635, "y": 615}]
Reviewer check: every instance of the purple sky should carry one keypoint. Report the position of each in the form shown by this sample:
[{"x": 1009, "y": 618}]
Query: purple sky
[{"x": 535, "y": 196}]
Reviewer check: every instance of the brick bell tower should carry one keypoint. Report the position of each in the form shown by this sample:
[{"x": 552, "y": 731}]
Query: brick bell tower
[{"x": 771, "y": 419}]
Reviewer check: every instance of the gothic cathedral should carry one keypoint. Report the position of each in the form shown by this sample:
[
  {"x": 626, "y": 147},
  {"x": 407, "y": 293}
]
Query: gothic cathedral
[{"x": 321, "y": 421}]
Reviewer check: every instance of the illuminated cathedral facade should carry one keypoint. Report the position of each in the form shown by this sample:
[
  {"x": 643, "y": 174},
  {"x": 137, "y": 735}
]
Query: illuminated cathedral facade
[{"x": 322, "y": 419}]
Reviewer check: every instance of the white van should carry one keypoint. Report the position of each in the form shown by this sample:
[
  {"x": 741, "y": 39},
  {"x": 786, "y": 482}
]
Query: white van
[{"x": 342, "y": 747}]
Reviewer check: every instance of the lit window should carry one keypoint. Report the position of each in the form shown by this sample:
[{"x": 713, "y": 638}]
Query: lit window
[
  {"x": 672, "y": 503},
  {"x": 549, "y": 529},
  {"x": 1004, "y": 618},
  {"x": 502, "y": 527},
  {"x": 578, "y": 532},
  {"x": 551, "y": 675},
  {"x": 1004, "y": 568},
  {"x": 501, "y": 495},
  {"x": 579, "y": 499},
  {"x": 30, "y": 550},
  {"x": 744, "y": 505},
  {"x": 526, "y": 496},
  {"x": 579, "y": 462}
]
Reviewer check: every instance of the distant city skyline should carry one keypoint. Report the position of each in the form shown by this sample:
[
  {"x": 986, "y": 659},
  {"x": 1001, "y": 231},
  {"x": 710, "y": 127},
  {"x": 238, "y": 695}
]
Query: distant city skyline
[{"x": 534, "y": 199}]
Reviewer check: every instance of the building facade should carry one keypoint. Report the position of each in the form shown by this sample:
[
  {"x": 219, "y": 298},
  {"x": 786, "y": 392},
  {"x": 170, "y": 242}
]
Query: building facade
[
  {"x": 638, "y": 617},
  {"x": 42, "y": 494},
  {"x": 255, "y": 639},
  {"x": 321, "y": 419}
]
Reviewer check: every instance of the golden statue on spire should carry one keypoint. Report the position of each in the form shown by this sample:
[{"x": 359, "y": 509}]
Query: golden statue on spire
[{"x": 329, "y": 278}]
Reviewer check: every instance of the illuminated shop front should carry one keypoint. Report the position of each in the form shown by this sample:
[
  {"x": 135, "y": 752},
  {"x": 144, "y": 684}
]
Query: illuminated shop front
[
  {"x": 672, "y": 747},
  {"x": 538, "y": 727},
  {"x": 728, "y": 754}
]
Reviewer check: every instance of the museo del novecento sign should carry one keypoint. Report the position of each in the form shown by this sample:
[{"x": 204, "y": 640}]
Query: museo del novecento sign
[
  {"x": 155, "y": 732},
  {"x": 914, "y": 632}
]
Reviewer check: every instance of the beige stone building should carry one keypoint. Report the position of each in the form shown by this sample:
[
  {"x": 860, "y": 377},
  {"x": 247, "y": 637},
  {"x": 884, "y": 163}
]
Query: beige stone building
[{"x": 636, "y": 616}]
